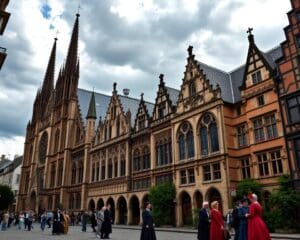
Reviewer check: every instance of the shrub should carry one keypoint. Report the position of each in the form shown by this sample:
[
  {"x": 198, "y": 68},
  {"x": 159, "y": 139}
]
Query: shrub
[
  {"x": 247, "y": 186},
  {"x": 162, "y": 197},
  {"x": 6, "y": 197}
]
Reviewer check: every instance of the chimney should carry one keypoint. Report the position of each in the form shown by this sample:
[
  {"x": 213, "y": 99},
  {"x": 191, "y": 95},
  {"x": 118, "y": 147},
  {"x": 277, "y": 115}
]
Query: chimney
[
  {"x": 126, "y": 92},
  {"x": 2, "y": 157}
]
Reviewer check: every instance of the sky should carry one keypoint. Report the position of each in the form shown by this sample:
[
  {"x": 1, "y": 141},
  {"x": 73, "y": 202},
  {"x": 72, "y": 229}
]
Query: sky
[{"x": 128, "y": 42}]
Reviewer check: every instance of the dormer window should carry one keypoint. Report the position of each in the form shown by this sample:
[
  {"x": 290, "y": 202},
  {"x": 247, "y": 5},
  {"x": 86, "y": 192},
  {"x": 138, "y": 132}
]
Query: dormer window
[
  {"x": 256, "y": 77},
  {"x": 141, "y": 124}
]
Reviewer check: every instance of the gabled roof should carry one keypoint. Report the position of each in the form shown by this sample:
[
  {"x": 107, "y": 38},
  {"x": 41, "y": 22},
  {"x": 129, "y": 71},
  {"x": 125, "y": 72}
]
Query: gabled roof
[{"x": 103, "y": 100}]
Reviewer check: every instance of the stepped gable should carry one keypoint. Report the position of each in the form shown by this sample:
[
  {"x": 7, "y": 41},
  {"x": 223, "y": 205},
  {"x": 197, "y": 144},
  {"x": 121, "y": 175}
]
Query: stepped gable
[{"x": 102, "y": 102}]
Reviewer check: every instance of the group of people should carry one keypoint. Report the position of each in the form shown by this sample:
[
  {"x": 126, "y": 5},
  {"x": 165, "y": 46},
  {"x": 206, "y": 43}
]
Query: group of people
[
  {"x": 247, "y": 221},
  {"x": 23, "y": 219}
]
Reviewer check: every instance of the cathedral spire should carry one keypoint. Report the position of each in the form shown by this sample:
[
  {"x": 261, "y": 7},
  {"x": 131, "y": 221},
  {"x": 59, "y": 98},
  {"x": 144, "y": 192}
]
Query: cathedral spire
[
  {"x": 92, "y": 108},
  {"x": 48, "y": 83},
  {"x": 72, "y": 57}
]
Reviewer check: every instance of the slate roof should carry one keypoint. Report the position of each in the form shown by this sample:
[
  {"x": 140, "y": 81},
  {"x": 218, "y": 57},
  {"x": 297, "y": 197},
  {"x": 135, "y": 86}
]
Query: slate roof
[
  {"x": 230, "y": 82},
  {"x": 173, "y": 95},
  {"x": 103, "y": 100},
  {"x": 4, "y": 163}
]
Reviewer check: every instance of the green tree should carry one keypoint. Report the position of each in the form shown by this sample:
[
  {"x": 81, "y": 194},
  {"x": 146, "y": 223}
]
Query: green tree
[
  {"x": 6, "y": 197},
  {"x": 283, "y": 206},
  {"x": 247, "y": 186},
  {"x": 162, "y": 198}
]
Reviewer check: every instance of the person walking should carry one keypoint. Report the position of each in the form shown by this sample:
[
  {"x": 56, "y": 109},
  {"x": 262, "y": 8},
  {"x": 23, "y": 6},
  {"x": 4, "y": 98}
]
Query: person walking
[
  {"x": 26, "y": 214},
  {"x": 106, "y": 225},
  {"x": 148, "y": 232},
  {"x": 84, "y": 219},
  {"x": 257, "y": 229},
  {"x": 49, "y": 218},
  {"x": 73, "y": 219},
  {"x": 236, "y": 220},
  {"x": 5, "y": 218},
  {"x": 30, "y": 220},
  {"x": 43, "y": 220},
  {"x": 57, "y": 227},
  {"x": 217, "y": 222},
  {"x": 93, "y": 220},
  {"x": 65, "y": 222},
  {"x": 204, "y": 221},
  {"x": 243, "y": 220},
  {"x": 21, "y": 220},
  {"x": 100, "y": 219}
]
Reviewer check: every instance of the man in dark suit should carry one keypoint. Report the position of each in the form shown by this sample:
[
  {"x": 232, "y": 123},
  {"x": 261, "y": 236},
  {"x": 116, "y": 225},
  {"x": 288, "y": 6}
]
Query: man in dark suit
[
  {"x": 204, "y": 221},
  {"x": 57, "y": 222}
]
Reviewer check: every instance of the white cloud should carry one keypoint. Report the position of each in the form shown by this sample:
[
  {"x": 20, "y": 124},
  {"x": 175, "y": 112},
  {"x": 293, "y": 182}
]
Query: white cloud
[{"x": 12, "y": 146}]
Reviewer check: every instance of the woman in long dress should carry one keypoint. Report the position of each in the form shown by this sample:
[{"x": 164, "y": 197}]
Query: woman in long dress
[
  {"x": 148, "y": 232},
  {"x": 100, "y": 219},
  {"x": 217, "y": 222},
  {"x": 257, "y": 229},
  {"x": 66, "y": 222}
]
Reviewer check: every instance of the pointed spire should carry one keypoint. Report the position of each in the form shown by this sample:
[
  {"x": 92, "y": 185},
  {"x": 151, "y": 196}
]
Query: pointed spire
[
  {"x": 48, "y": 83},
  {"x": 161, "y": 78},
  {"x": 142, "y": 97},
  {"x": 190, "y": 50},
  {"x": 115, "y": 87},
  {"x": 92, "y": 108},
  {"x": 71, "y": 61}
]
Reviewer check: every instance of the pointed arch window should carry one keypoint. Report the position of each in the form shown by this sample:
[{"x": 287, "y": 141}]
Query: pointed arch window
[
  {"x": 93, "y": 172},
  {"x": 56, "y": 141},
  {"x": 50, "y": 203},
  {"x": 116, "y": 167},
  {"x": 73, "y": 177},
  {"x": 60, "y": 173},
  {"x": 80, "y": 172},
  {"x": 78, "y": 135},
  {"x": 97, "y": 171},
  {"x": 52, "y": 175},
  {"x": 110, "y": 168},
  {"x": 136, "y": 160},
  {"x": 123, "y": 166},
  {"x": 118, "y": 127},
  {"x": 71, "y": 201},
  {"x": 209, "y": 140},
  {"x": 43, "y": 147},
  {"x": 146, "y": 158},
  {"x": 103, "y": 170},
  {"x": 78, "y": 201},
  {"x": 192, "y": 89},
  {"x": 186, "y": 141}
]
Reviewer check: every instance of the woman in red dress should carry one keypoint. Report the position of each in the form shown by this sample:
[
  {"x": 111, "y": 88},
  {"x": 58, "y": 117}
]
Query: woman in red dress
[
  {"x": 257, "y": 229},
  {"x": 217, "y": 222}
]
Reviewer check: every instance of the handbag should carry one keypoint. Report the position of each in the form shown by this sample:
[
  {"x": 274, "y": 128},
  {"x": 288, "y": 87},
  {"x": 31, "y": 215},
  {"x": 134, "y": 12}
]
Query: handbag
[{"x": 226, "y": 234}]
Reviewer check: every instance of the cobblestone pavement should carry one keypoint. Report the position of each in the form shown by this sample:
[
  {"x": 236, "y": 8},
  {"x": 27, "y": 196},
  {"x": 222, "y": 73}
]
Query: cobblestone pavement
[
  {"x": 75, "y": 234},
  {"x": 119, "y": 233}
]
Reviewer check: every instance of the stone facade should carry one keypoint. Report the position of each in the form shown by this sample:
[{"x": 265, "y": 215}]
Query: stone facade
[{"x": 86, "y": 149}]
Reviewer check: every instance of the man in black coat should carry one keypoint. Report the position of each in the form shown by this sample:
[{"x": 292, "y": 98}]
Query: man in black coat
[
  {"x": 204, "y": 221},
  {"x": 57, "y": 227},
  {"x": 148, "y": 232},
  {"x": 106, "y": 225}
]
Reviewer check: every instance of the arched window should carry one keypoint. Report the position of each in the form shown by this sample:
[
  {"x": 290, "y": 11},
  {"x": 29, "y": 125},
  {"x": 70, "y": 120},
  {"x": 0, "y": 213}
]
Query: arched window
[
  {"x": 71, "y": 201},
  {"x": 50, "y": 203},
  {"x": 209, "y": 140},
  {"x": 52, "y": 175},
  {"x": 110, "y": 168},
  {"x": 192, "y": 88},
  {"x": 186, "y": 141},
  {"x": 73, "y": 178},
  {"x": 56, "y": 141},
  {"x": 93, "y": 172},
  {"x": 30, "y": 154},
  {"x": 118, "y": 127},
  {"x": 97, "y": 171},
  {"x": 43, "y": 147},
  {"x": 146, "y": 158},
  {"x": 80, "y": 172},
  {"x": 78, "y": 201},
  {"x": 136, "y": 160},
  {"x": 214, "y": 140},
  {"x": 123, "y": 166},
  {"x": 103, "y": 170},
  {"x": 60, "y": 173},
  {"x": 116, "y": 167}
]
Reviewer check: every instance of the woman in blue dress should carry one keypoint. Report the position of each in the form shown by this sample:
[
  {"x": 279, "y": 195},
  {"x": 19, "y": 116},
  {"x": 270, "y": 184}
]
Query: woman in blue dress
[{"x": 243, "y": 224}]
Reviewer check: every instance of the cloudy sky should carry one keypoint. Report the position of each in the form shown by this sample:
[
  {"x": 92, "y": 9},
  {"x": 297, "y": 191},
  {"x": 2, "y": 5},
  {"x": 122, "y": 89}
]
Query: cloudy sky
[{"x": 128, "y": 42}]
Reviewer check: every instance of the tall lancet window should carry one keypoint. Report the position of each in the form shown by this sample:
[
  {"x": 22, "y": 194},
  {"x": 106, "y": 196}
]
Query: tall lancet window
[{"x": 186, "y": 141}]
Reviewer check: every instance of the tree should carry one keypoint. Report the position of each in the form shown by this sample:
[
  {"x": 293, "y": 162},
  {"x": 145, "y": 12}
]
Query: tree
[
  {"x": 247, "y": 186},
  {"x": 283, "y": 206},
  {"x": 6, "y": 197},
  {"x": 162, "y": 198}
]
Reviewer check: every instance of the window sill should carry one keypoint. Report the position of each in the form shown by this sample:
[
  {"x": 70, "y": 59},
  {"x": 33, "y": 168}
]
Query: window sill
[
  {"x": 212, "y": 181},
  {"x": 187, "y": 184}
]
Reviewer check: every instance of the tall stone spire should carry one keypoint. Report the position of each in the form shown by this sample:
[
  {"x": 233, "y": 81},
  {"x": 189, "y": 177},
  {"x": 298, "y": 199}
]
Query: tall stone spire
[
  {"x": 72, "y": 57},
  {"x": 48, "y": 83},
  {"x": 92, "y": 108}
]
